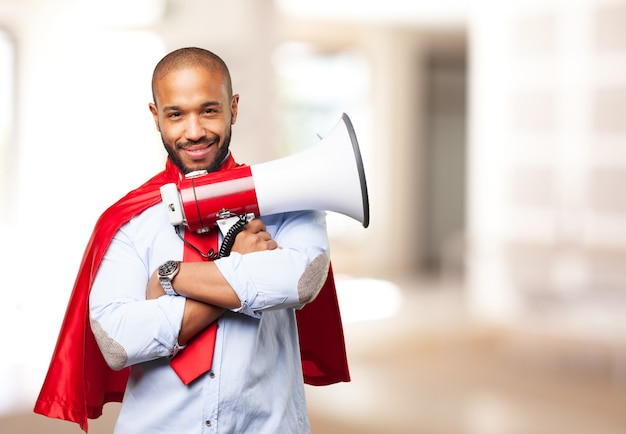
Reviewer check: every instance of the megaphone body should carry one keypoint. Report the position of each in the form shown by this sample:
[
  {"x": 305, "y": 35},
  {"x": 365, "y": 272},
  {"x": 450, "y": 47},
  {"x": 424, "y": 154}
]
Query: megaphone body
[{"x": 328, "y": 176}]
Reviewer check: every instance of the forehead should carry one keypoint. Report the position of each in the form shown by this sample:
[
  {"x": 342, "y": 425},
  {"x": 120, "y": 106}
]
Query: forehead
[{"x": 186, "y": 85}]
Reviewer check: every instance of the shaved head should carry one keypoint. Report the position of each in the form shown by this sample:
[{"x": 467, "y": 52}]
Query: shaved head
[
  {"x": 194, "y": 108},
  {"x": 190, "y": 57}
]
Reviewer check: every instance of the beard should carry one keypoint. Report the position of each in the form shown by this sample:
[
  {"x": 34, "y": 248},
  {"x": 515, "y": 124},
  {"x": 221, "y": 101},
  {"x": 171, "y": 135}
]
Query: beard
[{"x": 220, "y": 156}]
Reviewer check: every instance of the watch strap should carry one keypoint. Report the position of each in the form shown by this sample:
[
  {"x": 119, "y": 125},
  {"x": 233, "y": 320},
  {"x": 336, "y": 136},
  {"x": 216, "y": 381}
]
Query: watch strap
[{"x": 167, "y": 287}]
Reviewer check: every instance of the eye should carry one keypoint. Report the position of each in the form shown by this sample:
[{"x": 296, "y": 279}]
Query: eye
[{"x": 173, "y": 115}]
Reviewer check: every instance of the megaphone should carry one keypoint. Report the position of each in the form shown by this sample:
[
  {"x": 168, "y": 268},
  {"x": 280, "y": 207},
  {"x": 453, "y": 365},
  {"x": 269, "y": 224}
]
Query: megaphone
[{"x": 328, "y": 176}]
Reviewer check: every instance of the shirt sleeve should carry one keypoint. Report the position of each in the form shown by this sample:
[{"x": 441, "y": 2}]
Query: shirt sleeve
[
  {"x": 144, "y": 329},
  {"x": 269, "y": 279}
]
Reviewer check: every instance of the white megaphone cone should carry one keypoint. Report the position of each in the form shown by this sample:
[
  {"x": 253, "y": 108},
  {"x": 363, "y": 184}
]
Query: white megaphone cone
[{"x": 328, "y": 176}]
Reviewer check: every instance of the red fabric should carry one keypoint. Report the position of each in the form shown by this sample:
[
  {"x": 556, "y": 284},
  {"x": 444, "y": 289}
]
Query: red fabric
[
  {"x": 197, "y": 357},
  {"x": 322, "y": 347},
  {"x": 79, "y": 382}
]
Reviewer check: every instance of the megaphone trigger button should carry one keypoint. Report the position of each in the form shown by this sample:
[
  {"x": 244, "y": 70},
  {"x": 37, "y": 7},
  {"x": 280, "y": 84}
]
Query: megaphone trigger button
[{"x": 224, "y": 214}]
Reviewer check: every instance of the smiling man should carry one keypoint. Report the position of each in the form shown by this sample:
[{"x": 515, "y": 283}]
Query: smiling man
[
  {"x": 195, "y": 126},
  {"x": 190, "y": 345}
]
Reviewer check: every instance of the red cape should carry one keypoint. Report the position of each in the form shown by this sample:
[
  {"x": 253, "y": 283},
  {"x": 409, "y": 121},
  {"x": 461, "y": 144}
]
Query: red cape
[{"x": 79, "y": 382}]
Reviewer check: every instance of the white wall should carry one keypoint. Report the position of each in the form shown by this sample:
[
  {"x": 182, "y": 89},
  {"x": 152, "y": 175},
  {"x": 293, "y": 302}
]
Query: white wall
[{"x": 547, "y": 227}]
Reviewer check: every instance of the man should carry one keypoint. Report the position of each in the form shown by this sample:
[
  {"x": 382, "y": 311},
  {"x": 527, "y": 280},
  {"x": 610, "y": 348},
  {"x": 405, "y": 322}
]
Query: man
[{"x": 138, "y": 319}]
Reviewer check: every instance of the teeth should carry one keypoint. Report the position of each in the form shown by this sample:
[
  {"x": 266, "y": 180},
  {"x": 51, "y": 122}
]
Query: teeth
[{"x": 198, "y": 147}]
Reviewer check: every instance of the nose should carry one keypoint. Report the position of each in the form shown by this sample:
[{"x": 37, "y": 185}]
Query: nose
[{"x": 194, "y": 130}]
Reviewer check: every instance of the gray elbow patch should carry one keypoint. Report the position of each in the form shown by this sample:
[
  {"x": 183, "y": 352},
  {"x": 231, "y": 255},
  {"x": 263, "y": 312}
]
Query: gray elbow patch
[
  {"x": 313, "y": 279},
  {"x": 114, "y": 353}
]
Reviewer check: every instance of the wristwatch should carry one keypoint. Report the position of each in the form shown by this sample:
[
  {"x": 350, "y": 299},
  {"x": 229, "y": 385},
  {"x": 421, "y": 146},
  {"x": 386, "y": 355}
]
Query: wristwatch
[{"x": 167, "y": 271}]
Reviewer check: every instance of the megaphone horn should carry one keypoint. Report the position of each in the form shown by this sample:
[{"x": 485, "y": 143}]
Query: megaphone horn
[{"x": 328, "y": 176}]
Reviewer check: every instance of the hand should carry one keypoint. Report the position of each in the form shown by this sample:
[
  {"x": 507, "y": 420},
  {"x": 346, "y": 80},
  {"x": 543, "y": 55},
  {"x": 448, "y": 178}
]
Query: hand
[
  {"x": 154, "y": 288},
  {"x": 253, "y": 238}
]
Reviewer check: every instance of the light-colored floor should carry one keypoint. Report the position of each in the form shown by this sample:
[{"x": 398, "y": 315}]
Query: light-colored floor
[
  {"x": 430, "y": 370},
  {"x": 427, "y": 369}
]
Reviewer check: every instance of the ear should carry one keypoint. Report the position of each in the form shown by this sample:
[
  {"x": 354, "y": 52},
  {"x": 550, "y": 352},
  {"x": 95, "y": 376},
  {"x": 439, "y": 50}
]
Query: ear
[
  {"x": 155, "y": 114},
  {"x": 234, "y": 107}
]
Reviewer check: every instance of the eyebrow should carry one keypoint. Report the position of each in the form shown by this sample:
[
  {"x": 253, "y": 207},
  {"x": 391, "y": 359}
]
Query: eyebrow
[{"x": 203, "y": 105}]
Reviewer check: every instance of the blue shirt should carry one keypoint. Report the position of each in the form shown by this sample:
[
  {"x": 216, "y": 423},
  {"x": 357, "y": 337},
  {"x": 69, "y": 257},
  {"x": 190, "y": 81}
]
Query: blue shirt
[{"x": 255, "y": 385}]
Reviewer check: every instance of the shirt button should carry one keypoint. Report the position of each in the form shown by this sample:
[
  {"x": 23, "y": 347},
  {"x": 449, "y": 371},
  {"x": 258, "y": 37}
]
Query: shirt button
[
  {"x": 212, "y": 374},
  {"x": 207, "y": 423}
]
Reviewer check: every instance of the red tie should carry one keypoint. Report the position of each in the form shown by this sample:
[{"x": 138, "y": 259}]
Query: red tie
[{"x": 197, "y": 357}]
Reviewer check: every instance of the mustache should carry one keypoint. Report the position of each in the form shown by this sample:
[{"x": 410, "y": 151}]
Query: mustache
[{"x": 204, "y": 141}]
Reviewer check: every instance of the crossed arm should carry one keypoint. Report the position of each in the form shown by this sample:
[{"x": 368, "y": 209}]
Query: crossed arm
[
  {"x": 207, "y": 292},
  {"x": 133, "y": 322}
]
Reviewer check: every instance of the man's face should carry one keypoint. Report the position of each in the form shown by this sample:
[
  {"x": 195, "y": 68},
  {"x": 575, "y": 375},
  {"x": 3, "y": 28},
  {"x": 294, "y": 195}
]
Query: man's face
[{"x": 194, "y": 114}]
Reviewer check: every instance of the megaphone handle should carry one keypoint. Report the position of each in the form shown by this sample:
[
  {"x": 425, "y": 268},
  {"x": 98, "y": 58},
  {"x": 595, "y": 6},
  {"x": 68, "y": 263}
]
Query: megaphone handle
[
  {"x": 227, "y": 243},
  {"x": 229, "y": 238}
]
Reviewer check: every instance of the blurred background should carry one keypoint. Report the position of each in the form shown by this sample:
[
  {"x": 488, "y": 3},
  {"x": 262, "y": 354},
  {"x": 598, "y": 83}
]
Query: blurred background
[{"x": 488, "y": 295}]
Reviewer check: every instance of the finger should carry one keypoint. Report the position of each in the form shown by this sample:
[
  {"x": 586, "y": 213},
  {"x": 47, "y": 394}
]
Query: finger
[
  {"x": 265, "y": 236},
  {"x": 255, "y": 226}
]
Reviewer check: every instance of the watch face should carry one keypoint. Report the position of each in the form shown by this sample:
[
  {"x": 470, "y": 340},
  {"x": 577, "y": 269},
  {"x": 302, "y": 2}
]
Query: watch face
[{"x": 167, "y": 268}]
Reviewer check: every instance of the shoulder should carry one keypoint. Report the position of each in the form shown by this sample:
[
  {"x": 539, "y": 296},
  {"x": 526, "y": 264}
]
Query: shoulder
[
  {"x": 295, "y": 216},
  {"x": 295, "y": 222},
  {"x": 136, "y": 201},
  {"x": 131, "y": 205}
]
